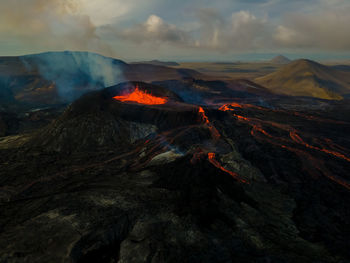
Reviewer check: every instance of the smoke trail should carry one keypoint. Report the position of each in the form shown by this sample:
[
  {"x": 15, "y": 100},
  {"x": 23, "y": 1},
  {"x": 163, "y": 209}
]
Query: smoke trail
[{"x": 75, "y": 73}]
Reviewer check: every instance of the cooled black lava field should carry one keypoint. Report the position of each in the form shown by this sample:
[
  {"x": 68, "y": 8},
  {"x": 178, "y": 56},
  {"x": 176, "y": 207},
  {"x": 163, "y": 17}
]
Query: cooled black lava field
[{"x": 177, "y": 171}]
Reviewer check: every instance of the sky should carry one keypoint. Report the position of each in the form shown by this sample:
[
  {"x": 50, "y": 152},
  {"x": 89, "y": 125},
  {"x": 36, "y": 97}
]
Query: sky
[{"x": 181, "y": 30}]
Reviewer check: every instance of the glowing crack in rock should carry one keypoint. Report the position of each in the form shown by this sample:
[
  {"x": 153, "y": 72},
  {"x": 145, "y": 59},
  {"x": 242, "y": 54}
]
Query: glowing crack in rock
[
  {"x": 212, "y": 160},
  {"x": 214, "y": 132}
]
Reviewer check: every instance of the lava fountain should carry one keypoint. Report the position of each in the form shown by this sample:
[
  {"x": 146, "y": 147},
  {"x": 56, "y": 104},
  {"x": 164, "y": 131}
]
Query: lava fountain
[{"x": 141, "y": 97}]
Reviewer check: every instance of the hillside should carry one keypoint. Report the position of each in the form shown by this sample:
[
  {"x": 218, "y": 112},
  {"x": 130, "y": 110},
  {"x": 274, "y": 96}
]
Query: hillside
[{"x": 308, "y": 78}]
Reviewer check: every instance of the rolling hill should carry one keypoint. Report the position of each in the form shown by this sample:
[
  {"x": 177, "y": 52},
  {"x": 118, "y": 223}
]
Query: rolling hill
[{"x": 308, "y": 78}]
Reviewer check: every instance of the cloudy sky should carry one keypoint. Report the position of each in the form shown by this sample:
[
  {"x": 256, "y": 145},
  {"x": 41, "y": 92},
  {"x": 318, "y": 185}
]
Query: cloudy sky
[{"x": 178, "y": 29}]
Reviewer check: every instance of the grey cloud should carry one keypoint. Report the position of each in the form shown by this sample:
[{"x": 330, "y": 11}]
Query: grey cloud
[
  {"x": 325, "y": 30},
  {"x": 154, "y": 30},
  {"x": 49, "y": 24},
  {"x": 69, "y": 24},
  {"x": 241, "y": 31}
]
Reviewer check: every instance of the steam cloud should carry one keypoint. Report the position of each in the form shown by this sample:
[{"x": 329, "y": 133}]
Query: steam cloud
[
  {"x": 75, "y": 73},
  {"x": 57, "y": 25}
]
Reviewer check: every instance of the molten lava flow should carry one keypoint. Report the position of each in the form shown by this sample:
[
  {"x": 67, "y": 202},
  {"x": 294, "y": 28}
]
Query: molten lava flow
[
  {"x": 212, "y": 160},
  {"x": 214, "y": 132},
  {"x": 141, "y": 97},
  {"x": 226, "y": 107},
  {"x": 311, "y": 164},
  {"x": 241, "y": 118},
  {"x": 203, "y": 116},
  {"x": 256, "y": 125},
  {"x": 295, "y": 137},
  {"x": 259, "y": 129},
  {"x": 229, "y": 107}
]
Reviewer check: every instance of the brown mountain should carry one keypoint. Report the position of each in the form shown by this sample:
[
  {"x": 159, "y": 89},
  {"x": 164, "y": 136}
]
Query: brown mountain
[{"x": 308, "y": 78}]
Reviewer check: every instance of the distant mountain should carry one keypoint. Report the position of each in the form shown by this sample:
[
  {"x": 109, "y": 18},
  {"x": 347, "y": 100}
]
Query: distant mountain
[
  {"x": 160, "y": 63},
  {"x": 308, "y": 78},
  {"x": 280, "y": 60}
]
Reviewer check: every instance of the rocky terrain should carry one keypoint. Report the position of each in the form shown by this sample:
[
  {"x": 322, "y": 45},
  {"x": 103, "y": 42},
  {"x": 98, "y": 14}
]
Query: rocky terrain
[{"x": 212, "y": 173}]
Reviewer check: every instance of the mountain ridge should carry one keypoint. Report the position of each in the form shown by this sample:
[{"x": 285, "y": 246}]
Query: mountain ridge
[{"x": 305, "y": 77}]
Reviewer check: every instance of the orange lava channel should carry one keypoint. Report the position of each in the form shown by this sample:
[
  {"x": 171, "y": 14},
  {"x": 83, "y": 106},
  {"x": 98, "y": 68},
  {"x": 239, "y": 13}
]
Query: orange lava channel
[
  {"x": 141, "y": 97},
  {"x": 228, "y": 107},
  {"x": 212, "y": 160},
  {"x": 295, "y": 137},
  {"x": 203, "y": 116},
  {"x": 215, "y": 133}
]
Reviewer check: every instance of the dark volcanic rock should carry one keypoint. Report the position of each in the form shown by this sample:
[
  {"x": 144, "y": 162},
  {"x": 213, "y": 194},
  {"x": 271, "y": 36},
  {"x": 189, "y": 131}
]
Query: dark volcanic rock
[
  {"x": 97, "y": 120},
  {"x": 111, "y": 181}
]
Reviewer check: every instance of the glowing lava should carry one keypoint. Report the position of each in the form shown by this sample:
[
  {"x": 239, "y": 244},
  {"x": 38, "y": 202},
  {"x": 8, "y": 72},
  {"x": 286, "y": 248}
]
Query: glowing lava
[
  {"x": 203, "y": 116},
  {"x": 310, "y": 163},
  {"x": 141, "y": 97},
  {"x": 295, "y": 137},
  {"x": 214, "y": 132},
  {"x": 212, "y": 160},
  {"x": 227, "y": 107}
]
